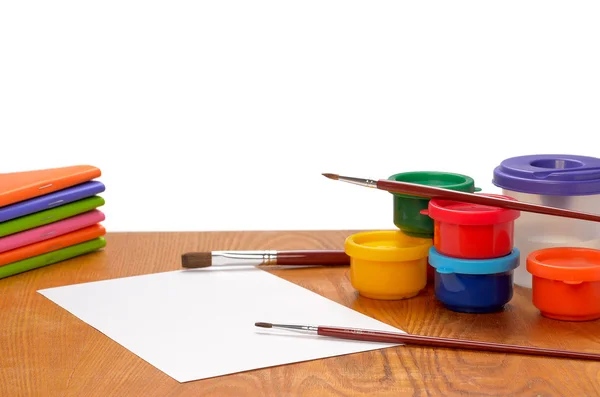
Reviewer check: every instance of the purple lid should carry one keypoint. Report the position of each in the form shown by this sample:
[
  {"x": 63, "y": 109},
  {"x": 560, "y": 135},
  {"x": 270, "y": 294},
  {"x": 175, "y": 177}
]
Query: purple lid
[{"x": 550, "y": 174}]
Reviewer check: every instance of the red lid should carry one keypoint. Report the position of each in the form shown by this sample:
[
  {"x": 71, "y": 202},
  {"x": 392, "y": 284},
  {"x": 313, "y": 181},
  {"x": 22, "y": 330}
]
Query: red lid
[
  {"x": 462, "y": 213},
  {"x": 565, "y": 264}
]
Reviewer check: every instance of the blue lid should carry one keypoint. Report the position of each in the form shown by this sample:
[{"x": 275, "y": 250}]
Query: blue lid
[
  {"x": 550, "y": 174},
  {"x": 446, "y": 264}
]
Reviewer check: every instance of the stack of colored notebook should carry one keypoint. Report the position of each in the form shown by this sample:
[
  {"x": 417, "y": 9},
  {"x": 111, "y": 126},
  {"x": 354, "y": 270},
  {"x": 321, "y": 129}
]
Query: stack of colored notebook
[{"x": 48, "y": 216}]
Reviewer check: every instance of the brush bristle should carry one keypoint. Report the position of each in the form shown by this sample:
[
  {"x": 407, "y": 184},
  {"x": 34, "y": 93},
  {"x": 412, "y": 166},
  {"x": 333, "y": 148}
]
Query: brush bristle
[
  {"x": 335, "y": 177},
  {"x": 264, "y": 325},
  {"x": 196, "y": 260}
]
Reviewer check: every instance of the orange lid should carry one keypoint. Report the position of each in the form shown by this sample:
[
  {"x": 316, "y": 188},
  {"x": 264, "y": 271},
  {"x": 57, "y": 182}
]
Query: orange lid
[{"x": 565, "y": 264}]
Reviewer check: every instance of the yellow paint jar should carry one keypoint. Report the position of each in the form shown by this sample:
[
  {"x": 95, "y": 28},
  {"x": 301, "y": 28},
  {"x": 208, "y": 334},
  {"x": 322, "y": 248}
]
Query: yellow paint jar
[{"x": 387, "y": 265}]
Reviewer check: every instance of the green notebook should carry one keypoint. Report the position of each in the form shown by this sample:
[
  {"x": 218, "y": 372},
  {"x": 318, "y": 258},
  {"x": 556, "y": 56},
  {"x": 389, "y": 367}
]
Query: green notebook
[
  {"x": 52, "y": 257},
  {"x": 48, "y": 216}
]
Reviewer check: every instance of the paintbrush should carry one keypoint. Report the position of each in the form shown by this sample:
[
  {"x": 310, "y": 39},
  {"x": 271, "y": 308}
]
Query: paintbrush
[
  {"x": 195, "y": 260},
  {"x": 414, "y": 189},
  {"x": 431, "y": 341}
]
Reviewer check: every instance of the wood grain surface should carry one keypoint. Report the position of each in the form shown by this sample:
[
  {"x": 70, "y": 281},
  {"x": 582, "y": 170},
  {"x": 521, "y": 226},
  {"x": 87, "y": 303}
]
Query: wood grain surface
[{"x": 45, "y": 351}]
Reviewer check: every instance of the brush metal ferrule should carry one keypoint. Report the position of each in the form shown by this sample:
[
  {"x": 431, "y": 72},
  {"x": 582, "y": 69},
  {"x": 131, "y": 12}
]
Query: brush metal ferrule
[
  {"x": 358, "y": 181},
  {"x": 250, "y": 258},
  {"x": 298, "y": 328}
]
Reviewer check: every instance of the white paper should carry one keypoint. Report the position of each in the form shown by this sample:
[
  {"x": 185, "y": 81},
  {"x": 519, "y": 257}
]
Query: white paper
[{"x": 196, "y": 324}]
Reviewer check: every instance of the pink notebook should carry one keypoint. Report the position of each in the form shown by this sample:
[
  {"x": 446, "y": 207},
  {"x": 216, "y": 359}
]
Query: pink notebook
[{"x": 51, "y": 230}]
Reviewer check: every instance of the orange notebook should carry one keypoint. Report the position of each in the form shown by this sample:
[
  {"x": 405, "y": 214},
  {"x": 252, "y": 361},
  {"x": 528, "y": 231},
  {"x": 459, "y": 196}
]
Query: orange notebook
[
  {"x": 20, "y": 186},
  {"x": 53, "y": 244}
]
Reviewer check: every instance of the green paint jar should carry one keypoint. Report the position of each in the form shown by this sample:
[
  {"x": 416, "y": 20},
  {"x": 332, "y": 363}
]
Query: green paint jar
[{"x": 407, "y": 209}]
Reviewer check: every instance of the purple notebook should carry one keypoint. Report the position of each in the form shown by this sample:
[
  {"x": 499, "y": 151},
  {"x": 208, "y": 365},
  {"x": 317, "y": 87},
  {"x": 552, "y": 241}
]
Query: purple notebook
[{"x": 51, "y": 200}]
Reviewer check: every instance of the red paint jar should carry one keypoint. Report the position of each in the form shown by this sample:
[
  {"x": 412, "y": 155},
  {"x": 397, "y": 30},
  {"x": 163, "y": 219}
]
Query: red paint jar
[{"x": 472, "y": 231}]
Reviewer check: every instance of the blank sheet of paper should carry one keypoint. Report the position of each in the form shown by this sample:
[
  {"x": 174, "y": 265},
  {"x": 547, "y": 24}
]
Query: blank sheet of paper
[{"x": 200, "y": 324}]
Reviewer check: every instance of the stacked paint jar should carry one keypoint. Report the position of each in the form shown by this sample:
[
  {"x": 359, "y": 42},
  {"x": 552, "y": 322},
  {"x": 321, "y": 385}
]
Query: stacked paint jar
[
  {"x": 473, "y": 255},
  {"x": 408, "y": 216}
]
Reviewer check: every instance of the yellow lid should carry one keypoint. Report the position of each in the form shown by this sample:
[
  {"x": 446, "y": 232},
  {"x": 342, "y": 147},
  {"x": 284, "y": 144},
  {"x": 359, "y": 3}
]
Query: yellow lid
[{"x": 387, "y": 245}]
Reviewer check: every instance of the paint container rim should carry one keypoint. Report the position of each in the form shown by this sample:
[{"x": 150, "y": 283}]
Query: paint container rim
[
  {"x": 445, "y": 264},
  {"x": 571, "y": 264},
  {"x": 450, "y": 181},
  {"x": 386, "y": 246},
  {"x": 549, "y": 174},
  {"x": 461, "y": 213}
]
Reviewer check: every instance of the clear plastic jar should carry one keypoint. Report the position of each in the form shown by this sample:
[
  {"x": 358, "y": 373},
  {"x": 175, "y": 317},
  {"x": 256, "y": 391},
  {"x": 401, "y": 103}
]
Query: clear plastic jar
[{"x": 562, "y": 181}]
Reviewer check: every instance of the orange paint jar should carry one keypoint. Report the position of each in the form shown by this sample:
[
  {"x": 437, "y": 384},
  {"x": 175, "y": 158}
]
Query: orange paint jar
[{"x": 566, "y": 283}]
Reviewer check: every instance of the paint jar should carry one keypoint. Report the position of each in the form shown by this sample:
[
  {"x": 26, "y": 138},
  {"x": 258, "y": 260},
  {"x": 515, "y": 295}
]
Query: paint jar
[
  {"x": 561, "y": 181},
  {"x": 472, "y": 231},
  {"x": 474, "y": 285},
  {"x": 566, "y": 283},
  {"x": 407, "y": 208},
  {"x": 387, "y": 265}
]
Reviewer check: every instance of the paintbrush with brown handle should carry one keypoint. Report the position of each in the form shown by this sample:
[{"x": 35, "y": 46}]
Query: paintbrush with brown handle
[
  {"x": 430, "y": 341},
  {"x": 196, "y": 260},
  {"x": 419, "y": 190}
]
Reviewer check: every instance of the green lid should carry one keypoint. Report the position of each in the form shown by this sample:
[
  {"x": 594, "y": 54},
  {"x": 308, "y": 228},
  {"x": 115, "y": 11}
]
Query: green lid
[{"x": 444, "y": 180}]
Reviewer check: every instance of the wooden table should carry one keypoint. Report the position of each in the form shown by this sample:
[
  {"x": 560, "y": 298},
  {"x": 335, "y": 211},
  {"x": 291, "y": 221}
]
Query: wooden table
[{"x": 45, "y": 351}]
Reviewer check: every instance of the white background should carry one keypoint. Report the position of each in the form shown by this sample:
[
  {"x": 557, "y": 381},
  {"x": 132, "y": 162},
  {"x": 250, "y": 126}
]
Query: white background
[{"x": 221, "y": 115}]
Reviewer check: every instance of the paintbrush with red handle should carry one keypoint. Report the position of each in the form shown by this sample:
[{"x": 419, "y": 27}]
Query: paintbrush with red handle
[
  {"x": 431, "y": 341},
  {"x": 414, "y": 189},
  {"x": 195, "y": 260}
]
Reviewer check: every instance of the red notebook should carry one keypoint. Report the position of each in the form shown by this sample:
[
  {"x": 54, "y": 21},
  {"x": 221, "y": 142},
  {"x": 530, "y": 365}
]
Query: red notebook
[{"x": 20, "y": 186}]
